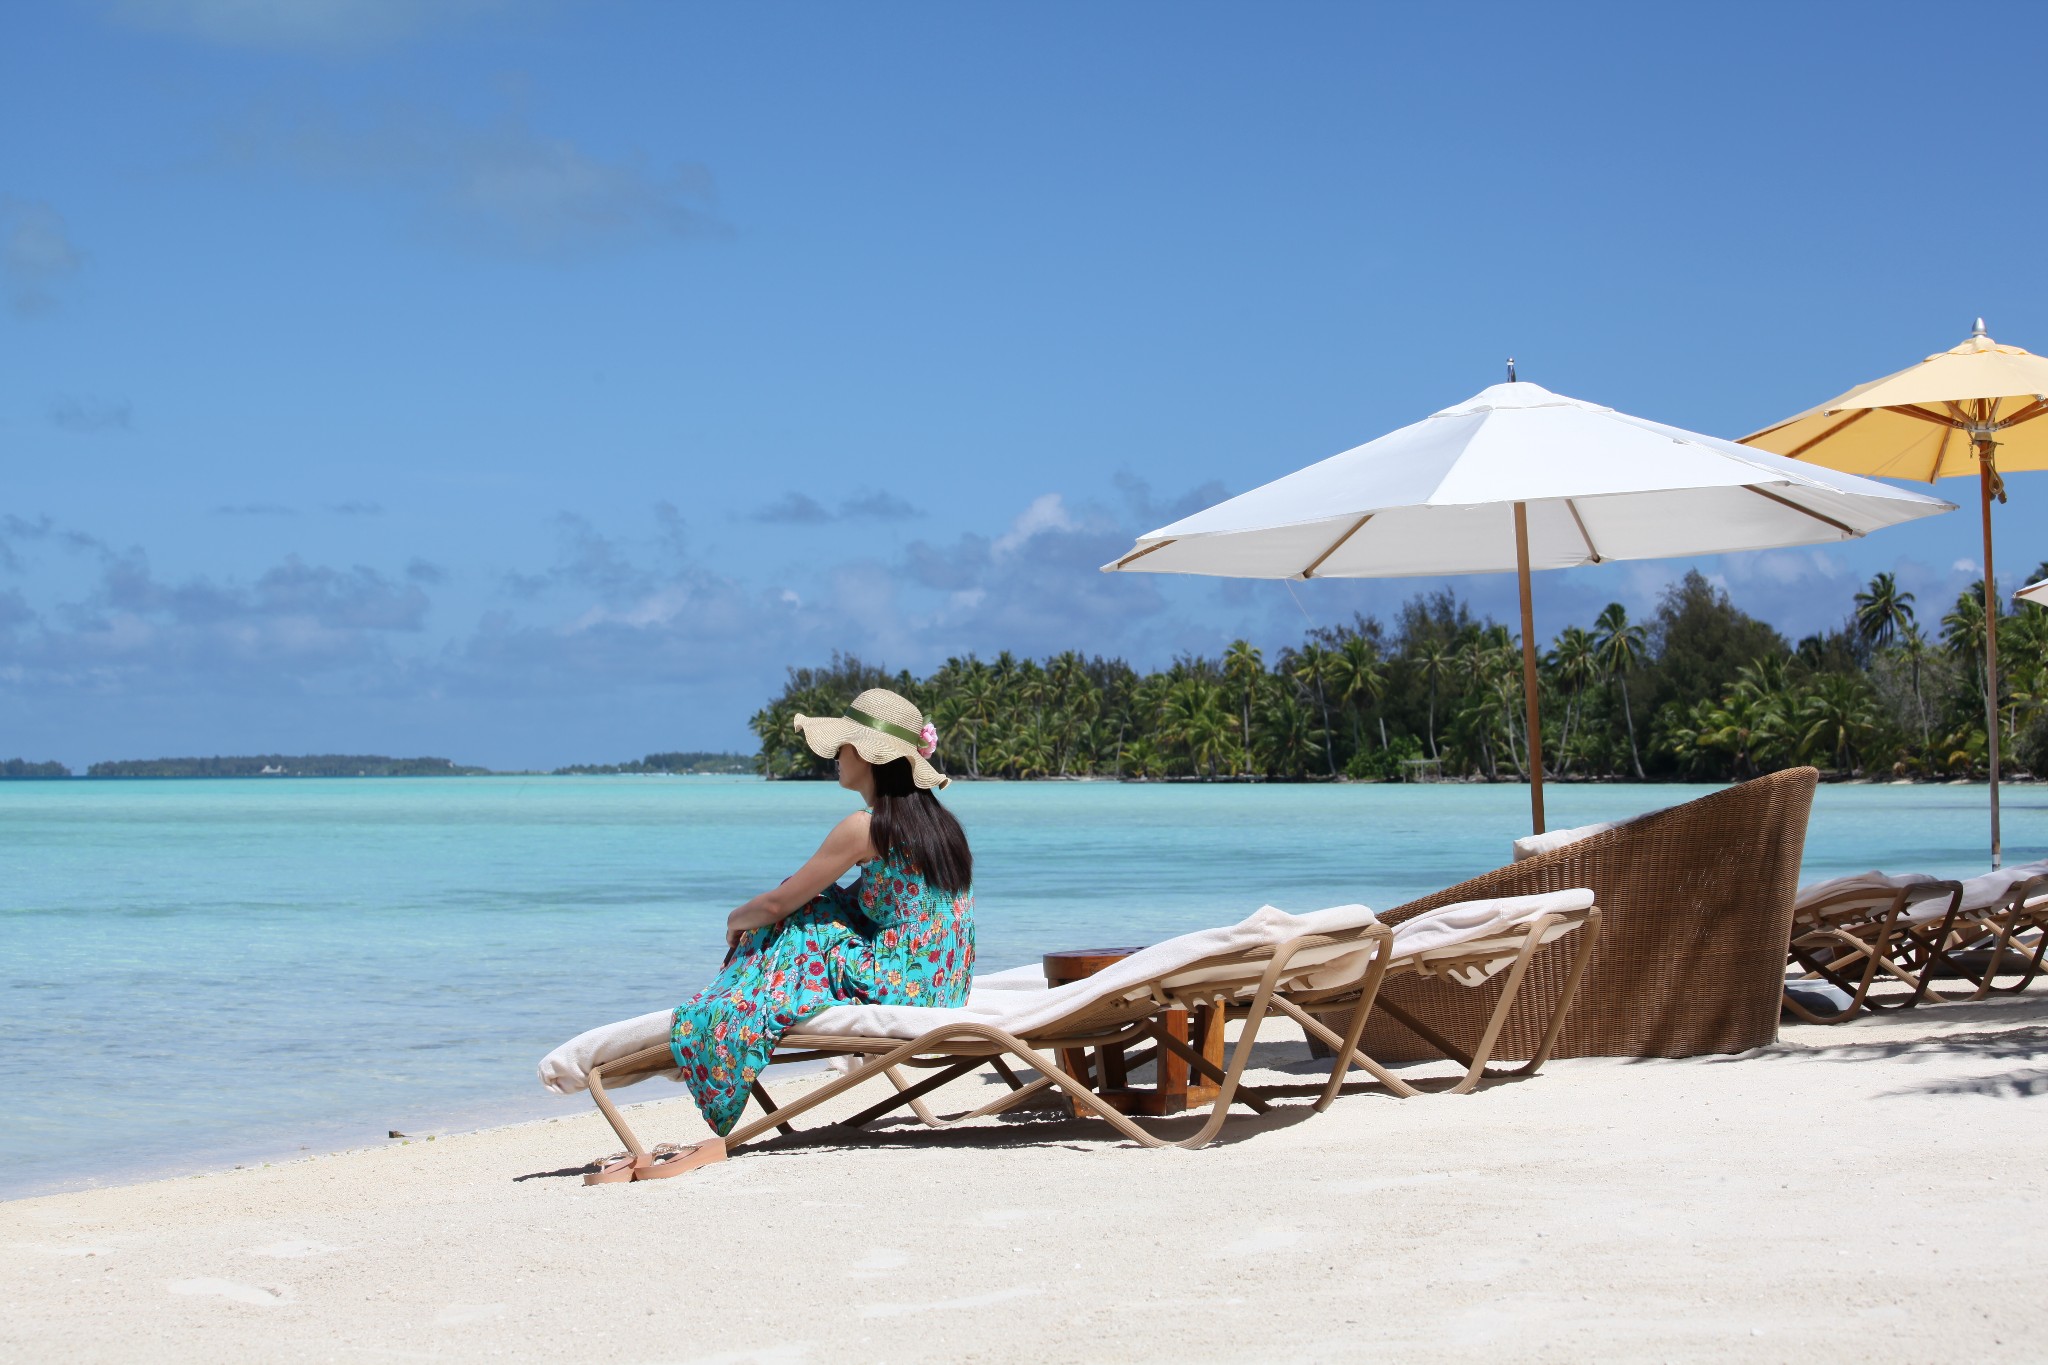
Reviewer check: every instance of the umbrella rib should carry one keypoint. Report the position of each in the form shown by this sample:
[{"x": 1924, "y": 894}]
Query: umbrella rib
[
  {"x": 1912, "y": 410},
  {"x": 1140, "y": 554},
  {"x": 1948, "y": 434},
  {"x": 2037, "y": 408},
  {"x": 1335, "y": 545},
  {"x": 1837, "y": 428},
  {"x": 1585, "y": 535},
  {"x": 1846, "y": 530}
]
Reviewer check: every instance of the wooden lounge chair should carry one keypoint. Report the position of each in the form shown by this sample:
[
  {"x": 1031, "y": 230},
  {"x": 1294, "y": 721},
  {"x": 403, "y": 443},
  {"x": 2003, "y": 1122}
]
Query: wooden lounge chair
[
  {"x": 1298, "y": 976},
  {"x": 1997, "y": 927},
  {"x": 1116, "y": 1009},
  {"x": 1467, "y": 963},
  {"x": 1851, "y": 932},
  {"x": 1696, "y": 905}
]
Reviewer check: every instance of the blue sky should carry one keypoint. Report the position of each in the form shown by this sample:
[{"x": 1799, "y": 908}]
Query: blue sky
[{"x": 531, "y": 382}]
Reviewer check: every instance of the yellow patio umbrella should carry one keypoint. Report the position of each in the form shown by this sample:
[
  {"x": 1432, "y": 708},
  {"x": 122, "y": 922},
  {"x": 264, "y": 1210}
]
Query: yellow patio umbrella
[{"x": 1968, "y": 411}]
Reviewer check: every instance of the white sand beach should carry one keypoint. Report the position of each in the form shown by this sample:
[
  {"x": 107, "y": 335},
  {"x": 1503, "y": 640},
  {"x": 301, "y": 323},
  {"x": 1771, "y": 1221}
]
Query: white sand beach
[{"x": 1869, "y": 1191}]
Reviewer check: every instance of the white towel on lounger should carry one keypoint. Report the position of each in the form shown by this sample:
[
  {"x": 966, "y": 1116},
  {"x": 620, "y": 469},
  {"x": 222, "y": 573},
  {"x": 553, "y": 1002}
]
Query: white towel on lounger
[
  {"x": 1981, "y": 893},
  {"x": 1879, "y": 887}
]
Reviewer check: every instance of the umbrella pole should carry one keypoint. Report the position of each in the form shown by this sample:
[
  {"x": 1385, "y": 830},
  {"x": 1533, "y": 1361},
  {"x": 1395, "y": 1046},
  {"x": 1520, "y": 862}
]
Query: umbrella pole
[
  {"x": 1984, "y": 458},
  {"x": 1533, "y": 732}
]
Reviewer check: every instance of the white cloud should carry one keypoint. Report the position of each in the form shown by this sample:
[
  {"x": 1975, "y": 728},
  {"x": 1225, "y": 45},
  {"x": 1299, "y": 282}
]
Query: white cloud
[
  {"x": 36, "y": 254},
  {"x": 1047, "y": 512}
]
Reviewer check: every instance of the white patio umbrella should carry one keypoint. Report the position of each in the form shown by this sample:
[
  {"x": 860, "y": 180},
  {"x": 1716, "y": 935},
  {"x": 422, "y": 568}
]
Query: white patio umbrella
[
  {"x": 2034, "y": 592},
  {"x": 1514, "y": 479}
]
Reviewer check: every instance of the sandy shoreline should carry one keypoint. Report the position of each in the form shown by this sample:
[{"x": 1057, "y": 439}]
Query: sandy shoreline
[{"x": 1868, "y": 1190}]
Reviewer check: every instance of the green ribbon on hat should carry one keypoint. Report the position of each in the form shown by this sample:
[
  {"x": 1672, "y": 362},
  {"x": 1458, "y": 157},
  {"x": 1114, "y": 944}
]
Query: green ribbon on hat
[{"x": 860, "y": 717}]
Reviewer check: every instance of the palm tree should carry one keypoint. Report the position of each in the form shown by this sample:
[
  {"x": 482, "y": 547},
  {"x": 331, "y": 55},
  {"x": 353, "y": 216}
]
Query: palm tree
[
  {"x": 1434, "y": 662},
  {"x": 1312, "y": 669},
  {"x": 1191, "y": 716},
  {"x": 1962, "y": 631},
  {"x": 1497, "y": 663},
  {"x": 1913, "y": 645},
  {"x": 980, "y": 700},
  {"x": 1882, "y": 611},
  {"x": 1357, "y": 673},
  {"x": 1749, "y": 723},
  {"x": 1620, "y": 648},
  {"x": 1575, "y": 664},
  {"x": 1287, "y": 733},
  {"x": 1838, "y": 716},
  {"x": 1243, "y": 665}
]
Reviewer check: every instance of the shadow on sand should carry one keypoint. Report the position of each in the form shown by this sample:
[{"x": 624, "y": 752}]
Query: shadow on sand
[
  {"x": 2017, "y": 1032},
  {"x": 1043, "y": 1122}
]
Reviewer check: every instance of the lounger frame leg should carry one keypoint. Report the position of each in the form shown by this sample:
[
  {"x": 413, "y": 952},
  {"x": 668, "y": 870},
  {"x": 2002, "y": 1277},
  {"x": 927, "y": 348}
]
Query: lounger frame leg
[
  {"x": 1871, "y": 952},
  {"x": 2002, "y": 923},
  {"x": 913, "y": 1094},
  {"x": 1475, "y": 1062},
  {"x": 638, "y": 1063}
]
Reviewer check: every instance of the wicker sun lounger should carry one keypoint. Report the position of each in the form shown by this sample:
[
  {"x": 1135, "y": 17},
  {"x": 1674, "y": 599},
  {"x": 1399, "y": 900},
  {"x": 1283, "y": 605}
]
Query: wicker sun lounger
[
  {"x": 1696, "y": 903},
  {"x": 1299, "y": 977}
]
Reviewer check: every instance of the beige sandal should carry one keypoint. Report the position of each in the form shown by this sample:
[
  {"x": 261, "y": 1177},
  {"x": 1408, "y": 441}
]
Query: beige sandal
[
  {"x": 615, "y": 1169},
  {"x": 669, "y": 1159}
]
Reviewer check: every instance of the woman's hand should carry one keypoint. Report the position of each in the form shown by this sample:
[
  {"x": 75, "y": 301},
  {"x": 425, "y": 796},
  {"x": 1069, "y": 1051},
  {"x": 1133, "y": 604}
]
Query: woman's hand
[{"x": 846, "y": 845}]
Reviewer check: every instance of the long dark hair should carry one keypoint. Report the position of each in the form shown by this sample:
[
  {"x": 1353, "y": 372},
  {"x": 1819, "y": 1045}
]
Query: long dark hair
[{"x": 910, "y": 822}]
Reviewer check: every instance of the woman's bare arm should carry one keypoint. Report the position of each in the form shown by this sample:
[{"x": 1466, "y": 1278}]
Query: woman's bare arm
[{"x": 846, "y": 845}]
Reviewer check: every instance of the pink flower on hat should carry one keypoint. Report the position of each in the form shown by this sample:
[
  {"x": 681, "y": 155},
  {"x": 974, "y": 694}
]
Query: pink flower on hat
[{"x": 930, "y": 740}]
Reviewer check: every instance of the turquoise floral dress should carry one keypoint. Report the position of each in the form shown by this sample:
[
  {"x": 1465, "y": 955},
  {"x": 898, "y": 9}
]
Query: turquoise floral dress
[{"x": 886, "y": 940}]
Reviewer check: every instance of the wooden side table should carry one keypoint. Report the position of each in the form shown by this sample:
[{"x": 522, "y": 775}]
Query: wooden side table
[{"x": 1172, "y": 1090}]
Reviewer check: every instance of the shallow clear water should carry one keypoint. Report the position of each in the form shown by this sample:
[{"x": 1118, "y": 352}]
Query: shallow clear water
[{"x": 197, "y": 973}]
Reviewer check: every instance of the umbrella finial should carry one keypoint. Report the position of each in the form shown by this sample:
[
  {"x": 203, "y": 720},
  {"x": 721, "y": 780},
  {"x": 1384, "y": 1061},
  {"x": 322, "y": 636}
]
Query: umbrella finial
[
  {"x": 1511, "y": 369},
  {"x": 1978, "y": 330}
]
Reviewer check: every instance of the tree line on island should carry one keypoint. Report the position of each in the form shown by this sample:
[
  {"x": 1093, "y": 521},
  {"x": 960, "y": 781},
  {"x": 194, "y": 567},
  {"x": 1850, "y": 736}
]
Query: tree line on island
[{"x": 1700, "y": 691}]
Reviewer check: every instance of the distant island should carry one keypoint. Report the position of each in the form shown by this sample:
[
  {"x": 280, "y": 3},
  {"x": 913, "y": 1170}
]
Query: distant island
[
  {"x": 21, "y": 767},
  {"x": 285, "y": 765},
  {"x": 684, "y": 763},
  {"x": 362, "y": 765}
]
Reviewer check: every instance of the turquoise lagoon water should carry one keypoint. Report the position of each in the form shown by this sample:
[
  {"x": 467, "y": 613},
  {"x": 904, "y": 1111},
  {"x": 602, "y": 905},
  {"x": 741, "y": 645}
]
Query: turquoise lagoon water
[{"x": 200, "y": 973}]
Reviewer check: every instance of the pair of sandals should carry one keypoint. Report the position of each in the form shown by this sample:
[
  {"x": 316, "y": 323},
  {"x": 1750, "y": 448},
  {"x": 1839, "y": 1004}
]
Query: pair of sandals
[{"x": 667, "y": 1159}]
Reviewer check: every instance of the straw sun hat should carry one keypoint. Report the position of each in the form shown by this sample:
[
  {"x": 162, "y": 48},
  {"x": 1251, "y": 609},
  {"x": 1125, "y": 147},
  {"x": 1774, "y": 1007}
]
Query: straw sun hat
[{"x": 882, "y": 727}]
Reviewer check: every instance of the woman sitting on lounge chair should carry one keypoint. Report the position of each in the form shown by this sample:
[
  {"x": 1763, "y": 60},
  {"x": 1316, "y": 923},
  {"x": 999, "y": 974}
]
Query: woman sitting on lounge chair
[{"x": 901, "y": 935}]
